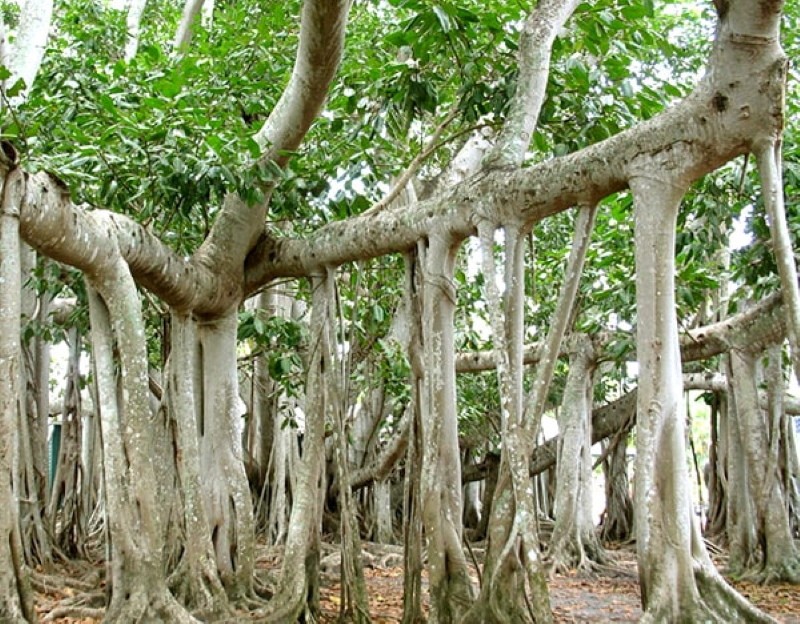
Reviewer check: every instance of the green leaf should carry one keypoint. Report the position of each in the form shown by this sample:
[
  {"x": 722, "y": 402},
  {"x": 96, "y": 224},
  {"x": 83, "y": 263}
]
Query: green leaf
[{"x": 17, "y": 88}]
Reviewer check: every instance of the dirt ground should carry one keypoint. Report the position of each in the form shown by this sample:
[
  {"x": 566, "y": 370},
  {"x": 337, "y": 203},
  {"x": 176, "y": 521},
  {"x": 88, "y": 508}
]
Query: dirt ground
[{"x": 609, "y": 595}]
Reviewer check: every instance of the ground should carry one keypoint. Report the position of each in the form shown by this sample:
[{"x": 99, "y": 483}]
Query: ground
[{"x": 609, "y": 595}]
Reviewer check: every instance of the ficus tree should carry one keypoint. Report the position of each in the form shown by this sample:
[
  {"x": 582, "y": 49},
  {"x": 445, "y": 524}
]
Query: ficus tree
[{"x": 181, "y": 182}]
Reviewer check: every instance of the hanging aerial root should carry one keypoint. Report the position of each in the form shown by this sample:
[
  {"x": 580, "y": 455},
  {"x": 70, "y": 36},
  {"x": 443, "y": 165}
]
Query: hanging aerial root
[{"x": 769, "y": 168}]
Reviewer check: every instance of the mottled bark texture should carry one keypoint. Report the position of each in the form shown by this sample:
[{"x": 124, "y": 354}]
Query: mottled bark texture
[
  {"x": 677, "y": 578},
  {"x": 451, "y": 589},
  {"x": 16, "y": 599}
]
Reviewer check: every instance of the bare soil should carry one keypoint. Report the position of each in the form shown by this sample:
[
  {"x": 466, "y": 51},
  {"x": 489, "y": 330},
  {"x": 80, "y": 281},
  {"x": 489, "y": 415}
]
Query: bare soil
[{"x": 609, "y": 594}]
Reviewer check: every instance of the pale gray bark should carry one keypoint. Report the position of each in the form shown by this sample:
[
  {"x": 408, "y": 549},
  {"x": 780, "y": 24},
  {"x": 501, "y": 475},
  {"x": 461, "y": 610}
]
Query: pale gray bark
[
  {"x": 704, "y": 131},
  {"x": 779, "y": 557},
  {"x": 271, "y": 444},
  {"x": 617, "y": 522},
  {"x": 354, "y": 605},
  {"x": 195, "y": 581},
  {"x": 440, "y": 487},
  {"x": 297, "y": 588},
  {"x": 570, "y": 544},
  {"x": 189, "y": 18},
  {"x": 67, "y": 519},
  {"x": 384, "y": 513},
  {"x": 133, "y": 22},
  {"x": 677, "y": 577},
  {"x": 514, "y": 587},
  {"x": 33, "y": 417},
  {"x": 226, "y": 493},
  {"x": 138, "y": 585},
  {"x": 768, "y": 156},
  {"x": 24, "y": 57},
  {"x": 740, "y": 526},
  {"x": 535, "y": 47},
  {"x": 412, "y": 496},
  {"x": 15, "y": 598}
]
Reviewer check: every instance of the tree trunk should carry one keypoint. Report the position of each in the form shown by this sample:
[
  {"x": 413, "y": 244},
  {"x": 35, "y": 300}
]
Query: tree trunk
[
  {"x": 440, "y": 490},
  {"x": 779, "y": 558},
  {"x": 678, "y": 581},
  {"x": 617, "y": 523},
  {"x": 33, "y": 464},
  {"x": 65, "y": 513},
  {"x": 514, "y": 587},
  {"x": 412, "y": 490},
  {"x": 195, "y": 581},
  {"x": 739, "y": 513},
  {"x": 567, "y": 549},
  {"x": 716, "y": 471},
  {"x": 298, "y": 587},
  {"x": 16, "y": 599},
  {"x": 229, "y": 508},
  {"x": 138, "y": 584}
]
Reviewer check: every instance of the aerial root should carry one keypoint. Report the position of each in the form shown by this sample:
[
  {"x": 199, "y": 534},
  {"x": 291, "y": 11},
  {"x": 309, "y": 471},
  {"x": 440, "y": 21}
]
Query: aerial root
[
  {"x": 46, "y": 583},
  {"x": 74, "y": 612}
]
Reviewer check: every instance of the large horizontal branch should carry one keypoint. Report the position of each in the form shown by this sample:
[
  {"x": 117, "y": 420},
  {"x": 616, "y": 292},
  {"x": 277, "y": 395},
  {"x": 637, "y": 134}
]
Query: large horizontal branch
[
  {"x": 754, "y": 329},
  {"x": 210, "y": 282},
  {"x": 56, "y": 227},
  {"x": 606, "y": 422},
  {"x": 719, "y": 121}
]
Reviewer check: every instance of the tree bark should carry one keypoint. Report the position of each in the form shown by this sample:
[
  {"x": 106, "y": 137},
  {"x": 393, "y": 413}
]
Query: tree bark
[
  {"x": 573, "y": 544},
  {"x": 226, "y": 494},
  {"x": 298, "y": 587},
  {"x": 16, "y": 599},
  {"x": 440, "y": 488},
  {"x": 138, "y": 584},
  {"x": 779, "y": 557},
  {"x": 677, "y": 579},
  {"x": 195, "y": 581}
]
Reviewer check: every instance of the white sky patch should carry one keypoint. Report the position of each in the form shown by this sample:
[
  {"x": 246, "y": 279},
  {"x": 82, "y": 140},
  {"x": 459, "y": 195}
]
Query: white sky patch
[{"x": 739, "y": 237}]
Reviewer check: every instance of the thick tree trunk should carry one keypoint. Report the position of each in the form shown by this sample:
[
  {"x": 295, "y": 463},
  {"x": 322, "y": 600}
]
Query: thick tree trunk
[
  {"x": 779, "y": 557},
  {"x": 573, "y": 544},
  {"x": 16, "y": 599},
  {"x": 678, "y": 581},
  {"x": 229, "y": 509},
  {"x": 195, "y": 581},
  {"x": 440, "y": 489},
  {"x": 138, "y": 584}
]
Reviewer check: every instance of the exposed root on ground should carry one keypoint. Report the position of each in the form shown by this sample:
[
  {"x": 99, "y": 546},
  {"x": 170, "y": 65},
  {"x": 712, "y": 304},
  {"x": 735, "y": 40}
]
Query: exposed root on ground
[{"x": 74, "y": 613}]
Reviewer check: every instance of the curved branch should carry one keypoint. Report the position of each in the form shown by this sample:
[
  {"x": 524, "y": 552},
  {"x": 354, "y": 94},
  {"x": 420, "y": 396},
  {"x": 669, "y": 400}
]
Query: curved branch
[
  {"x": 183, "y": 36},
  {"x": 239, "y": 224},
  {"x": 525, "y": 195},
  {"x": 322, "y": 31},
  {"x": 535, "y": 48}
]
